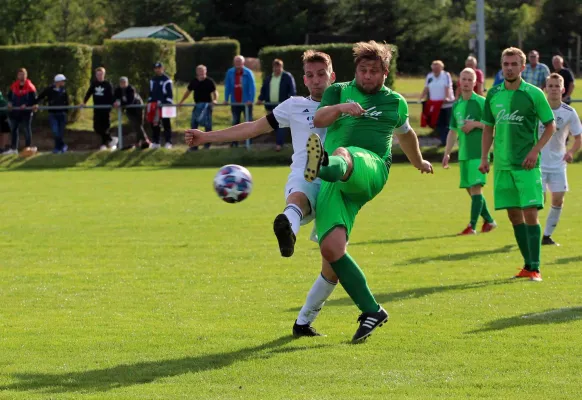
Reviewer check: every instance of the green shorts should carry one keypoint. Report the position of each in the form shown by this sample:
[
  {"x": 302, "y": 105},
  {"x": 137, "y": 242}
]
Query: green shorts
[
  {"x": 470, "y": 174},
  {"x": 518, "y": 189},
  {"x": 338, "y": 203}
]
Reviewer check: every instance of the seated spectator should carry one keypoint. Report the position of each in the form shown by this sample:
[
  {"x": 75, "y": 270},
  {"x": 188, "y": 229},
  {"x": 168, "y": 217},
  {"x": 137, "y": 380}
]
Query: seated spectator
[
  {"x": 4, "y": 127},
  {"x": 437, "y": 97},
  {"x": 277, "y": 88},
  {"x": 126, "y": 95},
  {"x": 471, "y": 62},
  {"x": 56, "y": 95},
  {"x": 205, "y": 97},
  {"x": 22, "y": 95}
]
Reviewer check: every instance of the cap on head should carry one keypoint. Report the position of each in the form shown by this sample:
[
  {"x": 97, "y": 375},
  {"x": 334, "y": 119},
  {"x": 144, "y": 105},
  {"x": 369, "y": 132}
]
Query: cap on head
[
  {"x": 60, "y": 78},
  {"x": 158, "y": 64}
]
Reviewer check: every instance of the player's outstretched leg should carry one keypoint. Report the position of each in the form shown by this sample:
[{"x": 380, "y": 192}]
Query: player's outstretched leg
[
  {"x": 286, "y": 225},
  {"x": 322, "y": 288}
]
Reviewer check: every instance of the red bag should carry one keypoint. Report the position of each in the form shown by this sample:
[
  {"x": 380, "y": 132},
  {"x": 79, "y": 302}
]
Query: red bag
[
  {"x": 153, "y": 113},
  {"x": 430, "y": 113}
]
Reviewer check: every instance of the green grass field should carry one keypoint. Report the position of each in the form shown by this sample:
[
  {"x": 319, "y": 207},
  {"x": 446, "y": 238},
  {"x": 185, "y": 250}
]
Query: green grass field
[{"x": 141, "y": 284}]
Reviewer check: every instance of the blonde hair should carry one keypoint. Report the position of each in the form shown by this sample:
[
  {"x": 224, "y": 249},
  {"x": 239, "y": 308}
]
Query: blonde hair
[
  {"x": 513, "y": 51},
  {"x": 471, "y": 58},
  {"x": 471, "y": 72},
  {"x": 100, "y": 69},
  {"x": 201, "y": 66},
  {"x": 373, "y": 51},
  {"x": 556, "y": 76},
  {"x": 313, "y": 56},
  {"x": 438, "y": 62}
]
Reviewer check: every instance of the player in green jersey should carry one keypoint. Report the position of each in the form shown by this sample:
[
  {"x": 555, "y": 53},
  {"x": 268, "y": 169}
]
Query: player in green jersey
[
  {"x": 515, "y": 108},
  {"x": 361, "y": 117},
  {"x": 466, "y": 124}
]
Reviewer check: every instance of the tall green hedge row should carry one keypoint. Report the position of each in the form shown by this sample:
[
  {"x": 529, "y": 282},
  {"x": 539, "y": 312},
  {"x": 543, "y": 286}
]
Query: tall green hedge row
[
  {"x": 135, "y": 59},
  {"x": 43, "y": 62},
  {"x": 341, "y": 57},
  {"x": 217, "y": 55}
]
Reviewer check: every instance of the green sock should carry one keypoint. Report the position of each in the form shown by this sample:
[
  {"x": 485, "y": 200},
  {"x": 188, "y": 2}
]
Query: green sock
[
  {"x": 334, "y": 170},
  {"x": 354, "y": 282},
  {"x": 485, "y": 211},
  {"x": 520, "y": 232},
  {"x": 476, "y": 206},
  {"x": 534, "y": 236}
]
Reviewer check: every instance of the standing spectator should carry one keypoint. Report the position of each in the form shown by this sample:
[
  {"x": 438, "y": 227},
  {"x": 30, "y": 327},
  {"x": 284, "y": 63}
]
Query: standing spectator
[
  {"x": 205, "y": 97},
  {"x": 498, "y": 78},
  {"x": 436, "y": 111},
  {"x": 239, "y": 87},
  {"x": 536, "y": 72},
  {"x": 4, "y": 127},
  {"x": 277, "y": 88},
  {"x": 161, "y": 93},
  {"x": 102, "y": 92},
  {"x": 558, "y": 64},
  {"x": 471, "y": 62},
  {"x": 22, "y": 95},
  {"x": 56, "y": 96},
  {"x": 126, "y": 95}
]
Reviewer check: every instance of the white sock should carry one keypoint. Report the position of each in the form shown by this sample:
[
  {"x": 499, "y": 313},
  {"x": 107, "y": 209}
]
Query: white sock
[
  {"x": 320, "y": 291},
  {"x": 294, "y": 215},
  {"x": 552, "y": 221}
]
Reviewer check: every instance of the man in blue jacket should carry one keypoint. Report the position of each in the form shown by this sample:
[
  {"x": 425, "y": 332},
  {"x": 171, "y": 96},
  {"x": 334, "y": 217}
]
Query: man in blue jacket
[
  {"x": 239, "y": 87},
  {"x": 277, "y": 88},
  {"x": 161, "y": 93}
]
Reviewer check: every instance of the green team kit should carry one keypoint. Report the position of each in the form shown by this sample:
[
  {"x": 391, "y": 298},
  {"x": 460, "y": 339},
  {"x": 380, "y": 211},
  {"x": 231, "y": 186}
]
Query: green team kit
[{"x": 516, "y": 115}]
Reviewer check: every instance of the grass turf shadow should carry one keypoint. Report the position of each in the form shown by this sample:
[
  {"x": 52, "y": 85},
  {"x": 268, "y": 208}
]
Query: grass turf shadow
[
  {"x": 145, "y": 372},
  {"x": 401, "y": 240},
  {"x": 459, "y": 256},
  {"x": 552, "y": 316}
]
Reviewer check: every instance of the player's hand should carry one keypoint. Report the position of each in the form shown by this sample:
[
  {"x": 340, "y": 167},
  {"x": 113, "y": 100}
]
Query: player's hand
[
  {"x": 530, "y": 160},
  {"x": 484, "y": 167},
  {"x": 426, "y": 167},
  {"x": 568, "y": 157},
  {"x": 194, "y": 137},
  {"x": 353, "y": 109},
  {"x": 446, "y": 159},
  {"x": 468, "y": 126}
]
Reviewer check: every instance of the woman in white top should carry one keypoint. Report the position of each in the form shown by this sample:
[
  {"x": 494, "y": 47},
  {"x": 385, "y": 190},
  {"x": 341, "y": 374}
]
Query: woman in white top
[{"x": 439, "y": 87}]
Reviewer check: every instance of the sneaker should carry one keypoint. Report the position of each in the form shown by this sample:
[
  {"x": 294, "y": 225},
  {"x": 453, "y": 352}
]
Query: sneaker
[
  {"x": 369, "y": 322},
  {"x": 113, "y": 143},
  {"x": 532, "y": 275},
  {"x": 10, "y": 152},
  {"x": 548, "y": 241},
  {"x": 168, "y": 146},
  {"x": 488, "y": 226},
  {"x": 65, "y": 149},
  {"x": 467, "y": 231},
  {"x": 304, "y": 330},
  {"x": 102, "y": 148},
  {"x": 316, "y": 157},
  {"x": 285, "y": 235},
  {"x": 154, "y": 146}
]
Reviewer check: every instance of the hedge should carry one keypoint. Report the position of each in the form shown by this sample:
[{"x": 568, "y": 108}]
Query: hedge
[
  {"x": 135, "y": 58},
  {"x": 97, "y": 58},
  {"x": 43, "y": 62},
  {"x": 341, "y": 56},
  {"x": 217, "y": 55}
]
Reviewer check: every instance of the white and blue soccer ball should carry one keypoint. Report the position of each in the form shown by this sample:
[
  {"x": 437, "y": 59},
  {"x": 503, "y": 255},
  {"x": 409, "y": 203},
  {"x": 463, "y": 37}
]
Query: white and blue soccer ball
[{"x": 233, "y": 183}]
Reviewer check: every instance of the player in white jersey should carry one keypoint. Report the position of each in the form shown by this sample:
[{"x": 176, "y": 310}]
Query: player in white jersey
[
  {"x": 296, "y": 113},
  {"x": 555, "y": 155}
]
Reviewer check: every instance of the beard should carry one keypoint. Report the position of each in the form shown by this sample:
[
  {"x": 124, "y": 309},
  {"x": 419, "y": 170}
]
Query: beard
[
  {"x": 511, "y": 80},
  {"x": 373, "y": 90}
]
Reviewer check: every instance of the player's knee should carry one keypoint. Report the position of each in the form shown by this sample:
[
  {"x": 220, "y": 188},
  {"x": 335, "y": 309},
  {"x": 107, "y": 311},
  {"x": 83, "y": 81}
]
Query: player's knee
[
  {"x": 345, "y": 154},
  {"x": 301, "y": 201},
  {"x": 333, "y": 246},
  {"x": 515, "y": 216},
  {"x": 530, "y": 216},
  {"x": 558, "y": 201}
]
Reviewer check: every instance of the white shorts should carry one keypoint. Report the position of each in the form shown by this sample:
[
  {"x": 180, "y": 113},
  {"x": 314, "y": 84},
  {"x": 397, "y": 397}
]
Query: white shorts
[
  {"x": 555, "y": 182},
  {"x": 297, "y": 183}
]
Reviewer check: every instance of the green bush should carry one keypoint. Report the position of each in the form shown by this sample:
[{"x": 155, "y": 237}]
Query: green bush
[
  {"x": 135, "y": 59},
  {"x": 217, "y": 55},
  {"x": 43, "y": 62},
  {"x": 97, "y": 58},
  {"x": 341, "y": 56}
]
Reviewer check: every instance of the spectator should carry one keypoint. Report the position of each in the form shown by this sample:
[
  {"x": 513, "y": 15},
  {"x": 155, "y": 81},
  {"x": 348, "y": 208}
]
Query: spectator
[
  {"x": 471, "y": 62},
  {"x": 498, "y": 78},
  {"x": 205, "y": 97},
  {"x": 161, "y": 93},
  {"x": 436, "y": 111},
  {"x": 535, "y": 72},
  {"x": 4, "y": 127},
  {"x": 126, "y": 95},
  {"x": 558, "y": 64},
  {"x": 277, "y": 88},
  {"x": 56, "y": 96},
  {"x": 102, "y": 92},
  {"x": 22, "y": 95},
  {"x": 239, "y": 87}
]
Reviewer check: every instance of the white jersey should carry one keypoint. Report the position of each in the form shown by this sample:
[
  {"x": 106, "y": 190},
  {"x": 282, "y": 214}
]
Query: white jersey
[
  {"x": 567, "y": 122},
  {"x": 297, "y": 113}
]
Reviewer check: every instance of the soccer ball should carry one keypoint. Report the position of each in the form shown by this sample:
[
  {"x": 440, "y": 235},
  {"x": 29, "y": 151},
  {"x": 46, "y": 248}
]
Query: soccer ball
[{"x": 233, "y": 183}]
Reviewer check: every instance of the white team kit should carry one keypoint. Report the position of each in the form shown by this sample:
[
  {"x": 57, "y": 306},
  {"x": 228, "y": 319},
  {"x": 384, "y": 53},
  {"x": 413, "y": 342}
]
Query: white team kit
[
  {"x": 553, "y": 165},
  {"x": 297, "y": 113}
]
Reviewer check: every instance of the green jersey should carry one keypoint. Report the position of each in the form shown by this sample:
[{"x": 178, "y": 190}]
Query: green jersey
[
  {"x": 468, "y": 110},
  {"x": 386, "y": 112},
  {"x": 516, "y": 115}
]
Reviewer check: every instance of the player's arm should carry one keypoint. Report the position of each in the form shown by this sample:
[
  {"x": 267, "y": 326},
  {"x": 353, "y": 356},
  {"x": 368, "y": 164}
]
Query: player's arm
[
  {"x": 246, "y": 130},
  {"x": 546, "y": 115},
  {"x": 451, "y": 140},
  {"x": 576, "y": 130},
  {"x": 409, "y": 144},
  {"x": 330, "y": 108},
  {"x": 488, "y": 121}
]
